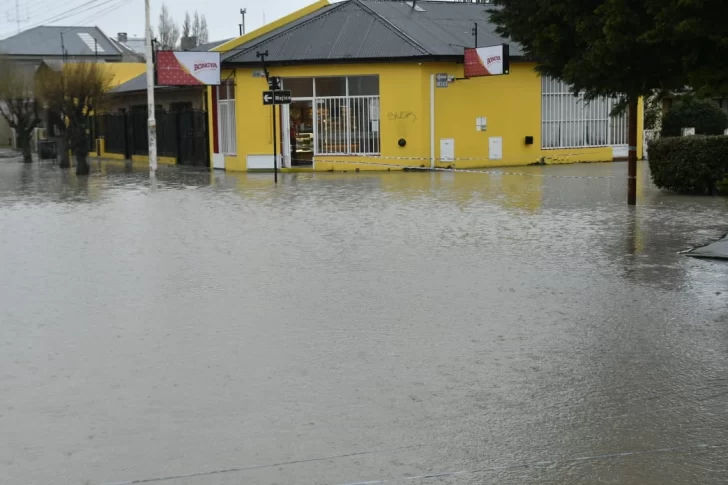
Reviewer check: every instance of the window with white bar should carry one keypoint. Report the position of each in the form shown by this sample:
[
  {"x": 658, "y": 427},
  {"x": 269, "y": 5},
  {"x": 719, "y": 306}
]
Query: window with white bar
[
  {"x": 569, "y": 121},
  {"x": 347, "y": 115},
  {"x": 226, "y": 118}
]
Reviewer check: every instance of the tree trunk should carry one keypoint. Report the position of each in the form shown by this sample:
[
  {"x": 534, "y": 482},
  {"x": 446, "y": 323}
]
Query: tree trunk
[
  {"x": 632, "y": 153},
  {"x": 24, "y": 142}
]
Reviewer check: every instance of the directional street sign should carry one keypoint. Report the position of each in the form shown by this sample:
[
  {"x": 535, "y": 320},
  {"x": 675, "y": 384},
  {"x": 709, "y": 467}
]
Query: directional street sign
[{"x": 276, "y": 97}]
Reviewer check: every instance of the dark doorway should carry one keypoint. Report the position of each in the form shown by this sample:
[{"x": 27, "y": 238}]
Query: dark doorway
[{"x": 193, "y": 138}]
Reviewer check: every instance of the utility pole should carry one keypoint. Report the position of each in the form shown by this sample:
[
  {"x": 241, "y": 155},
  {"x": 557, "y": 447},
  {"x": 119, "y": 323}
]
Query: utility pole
[
  {"x": 152, "y": 121},
  {"x": 243, "y": 11},
  {"x": 262, "y": 56},
  {"x": 632, "y": 151}
]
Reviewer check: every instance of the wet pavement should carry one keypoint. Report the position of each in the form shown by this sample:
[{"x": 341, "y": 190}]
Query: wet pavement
[{"x": 400, "y": 328}]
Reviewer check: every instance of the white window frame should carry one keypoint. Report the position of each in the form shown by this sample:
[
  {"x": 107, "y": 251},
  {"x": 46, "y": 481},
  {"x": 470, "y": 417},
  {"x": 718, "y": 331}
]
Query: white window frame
[
  {"x": 373, "y": 103},
  {"x": 227, "y": 128},
  {"x": 579, "y": 123}
]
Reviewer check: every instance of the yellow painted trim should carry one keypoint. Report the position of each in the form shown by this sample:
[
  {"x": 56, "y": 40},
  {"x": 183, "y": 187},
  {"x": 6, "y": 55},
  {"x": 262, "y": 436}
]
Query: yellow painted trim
[
  {"x": 138, "y": 159},
  {"x": 160, "y": 160},
  {"x": 232, "y": 44}
]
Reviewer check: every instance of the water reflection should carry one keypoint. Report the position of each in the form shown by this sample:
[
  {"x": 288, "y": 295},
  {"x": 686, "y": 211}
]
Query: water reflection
[{"x": 521, "y": 326}]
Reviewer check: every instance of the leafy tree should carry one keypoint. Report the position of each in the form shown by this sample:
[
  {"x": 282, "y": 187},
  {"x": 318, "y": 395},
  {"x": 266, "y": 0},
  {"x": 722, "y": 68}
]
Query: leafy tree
[
  {"x": 75, "y": 91},
  {"x": 203, "y": 37},
  {"x": 18, "y": 103},
  {"x": 196, "y": 26},
  {"x": 689, "y": 112},
  {"x": 167, "y": 30},
  {"x": 602, "y": 47},
  {"x": 186, "y": 25},
  {"x": 700, "y": 33}
]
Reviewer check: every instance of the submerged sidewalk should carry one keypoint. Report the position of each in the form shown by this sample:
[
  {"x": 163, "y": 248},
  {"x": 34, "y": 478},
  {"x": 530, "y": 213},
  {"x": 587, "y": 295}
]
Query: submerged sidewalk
[
  {"x": 716, "y": 250},
  {"x": 9, "y": 153}
]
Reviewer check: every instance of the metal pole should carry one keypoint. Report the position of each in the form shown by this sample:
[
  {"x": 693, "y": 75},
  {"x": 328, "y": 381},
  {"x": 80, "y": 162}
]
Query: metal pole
[
  {"x": 152, "y": 121},
  {"x": 632, "y": 153},
  {"x": 432, "y": 121},
  {"x": 275, "y": 140},
  {"x": 243, "y": 11},
  {"x": 475, "y": 33}
]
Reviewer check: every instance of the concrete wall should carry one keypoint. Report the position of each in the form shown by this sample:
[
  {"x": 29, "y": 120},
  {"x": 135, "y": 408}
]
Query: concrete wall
[{"x": 511, "y": 104}]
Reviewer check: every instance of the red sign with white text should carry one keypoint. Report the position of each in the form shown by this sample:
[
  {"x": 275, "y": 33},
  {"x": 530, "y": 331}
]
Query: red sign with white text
[
  {"x": 487, "y": 61},
  {"x": 188, "y": 68}
]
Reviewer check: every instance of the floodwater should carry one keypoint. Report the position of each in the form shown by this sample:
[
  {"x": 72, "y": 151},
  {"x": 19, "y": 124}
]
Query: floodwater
[{"x": 397, "y": 328}]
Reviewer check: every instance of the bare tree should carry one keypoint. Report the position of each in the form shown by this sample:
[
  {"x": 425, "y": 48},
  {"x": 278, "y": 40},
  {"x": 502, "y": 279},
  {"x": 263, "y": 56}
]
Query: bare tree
[
  {"x": 204, "y": 36},
  {"x": 18, "y": 103},
  {"x": 75, "y": 92},
  {"x": 196, "y": 26},
  {"x": 168, "y": 30},
  {"x": 186, "y": 25}
]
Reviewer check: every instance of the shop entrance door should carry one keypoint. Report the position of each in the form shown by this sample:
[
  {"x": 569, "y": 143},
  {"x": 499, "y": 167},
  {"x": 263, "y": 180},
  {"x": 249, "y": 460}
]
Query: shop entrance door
[{"x": 299, "y": 128}]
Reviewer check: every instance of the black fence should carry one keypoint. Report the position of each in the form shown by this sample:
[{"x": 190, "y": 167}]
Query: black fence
[{"x": 182, "y": 135}]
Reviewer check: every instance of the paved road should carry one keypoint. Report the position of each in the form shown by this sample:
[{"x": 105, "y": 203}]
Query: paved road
[{"x": 356, "y": 328}]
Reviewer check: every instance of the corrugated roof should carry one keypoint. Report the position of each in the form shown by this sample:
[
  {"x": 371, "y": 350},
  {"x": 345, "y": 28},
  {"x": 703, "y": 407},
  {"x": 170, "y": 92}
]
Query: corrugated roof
[
  {"x": 210, "y": 45},
  {"x": 442, "y": 28},
  {"x": 376, "y": 29},
  {"x": 46, "y": 41},
  {"x": 346, "y": 30},
  {"x": 138, "y": 83}
]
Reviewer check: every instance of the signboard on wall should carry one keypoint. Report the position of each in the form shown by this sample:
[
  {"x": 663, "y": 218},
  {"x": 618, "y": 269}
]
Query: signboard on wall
[
  {"x": 487, "y": 61},
  {"x": 188, "y": 68}
]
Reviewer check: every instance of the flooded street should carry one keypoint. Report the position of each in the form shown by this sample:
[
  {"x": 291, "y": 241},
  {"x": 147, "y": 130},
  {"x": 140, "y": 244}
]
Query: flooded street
[{"x": 401, "y": 328}]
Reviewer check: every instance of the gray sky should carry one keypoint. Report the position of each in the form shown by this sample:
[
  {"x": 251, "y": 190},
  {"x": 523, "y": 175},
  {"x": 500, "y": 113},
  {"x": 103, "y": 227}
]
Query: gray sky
[{"x": 113, "y": 16}]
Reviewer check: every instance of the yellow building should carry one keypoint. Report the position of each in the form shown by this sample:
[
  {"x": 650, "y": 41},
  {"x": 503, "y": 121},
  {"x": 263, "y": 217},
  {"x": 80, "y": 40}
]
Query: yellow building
[{"x": 363, "y": 75}]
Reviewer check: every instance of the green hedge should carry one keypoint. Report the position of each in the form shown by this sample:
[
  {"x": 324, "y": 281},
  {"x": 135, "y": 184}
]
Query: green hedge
[
  {"x": 702, "y": 114},
  {"x": 690, "y": 164}
]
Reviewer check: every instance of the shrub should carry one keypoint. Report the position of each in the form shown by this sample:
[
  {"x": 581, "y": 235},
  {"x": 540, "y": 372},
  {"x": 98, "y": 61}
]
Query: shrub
[
  {"x": 702, "y": 114},
  {"x": 690, "y": 164}
]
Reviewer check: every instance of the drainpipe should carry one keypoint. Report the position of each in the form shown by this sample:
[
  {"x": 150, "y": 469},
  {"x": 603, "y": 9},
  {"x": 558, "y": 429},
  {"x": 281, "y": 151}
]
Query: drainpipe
[{"x": 432, "y": 121}]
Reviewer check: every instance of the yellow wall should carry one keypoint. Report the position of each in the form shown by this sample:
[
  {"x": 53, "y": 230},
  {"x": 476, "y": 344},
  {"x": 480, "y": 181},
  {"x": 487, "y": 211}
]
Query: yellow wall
[
  {"x": 511, "y": 104},
  {"x": 400, "y": 91}
]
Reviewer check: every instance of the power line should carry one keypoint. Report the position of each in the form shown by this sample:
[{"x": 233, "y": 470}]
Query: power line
[
  {"x": 42, "y": 8},
  {"x": 110, "y": 7},
  {"x": 84, "y": 7}
]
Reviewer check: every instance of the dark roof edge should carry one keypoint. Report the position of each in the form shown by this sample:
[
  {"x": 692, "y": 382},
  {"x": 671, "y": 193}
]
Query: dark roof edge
[
  {"x": 458, "y": 59},
  {"x": 156, "y": 89}
]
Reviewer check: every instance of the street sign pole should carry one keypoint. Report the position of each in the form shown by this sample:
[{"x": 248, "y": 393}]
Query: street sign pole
[
  {"x": 275, "y": 97},
  {"x": 275, "y": 141}
]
